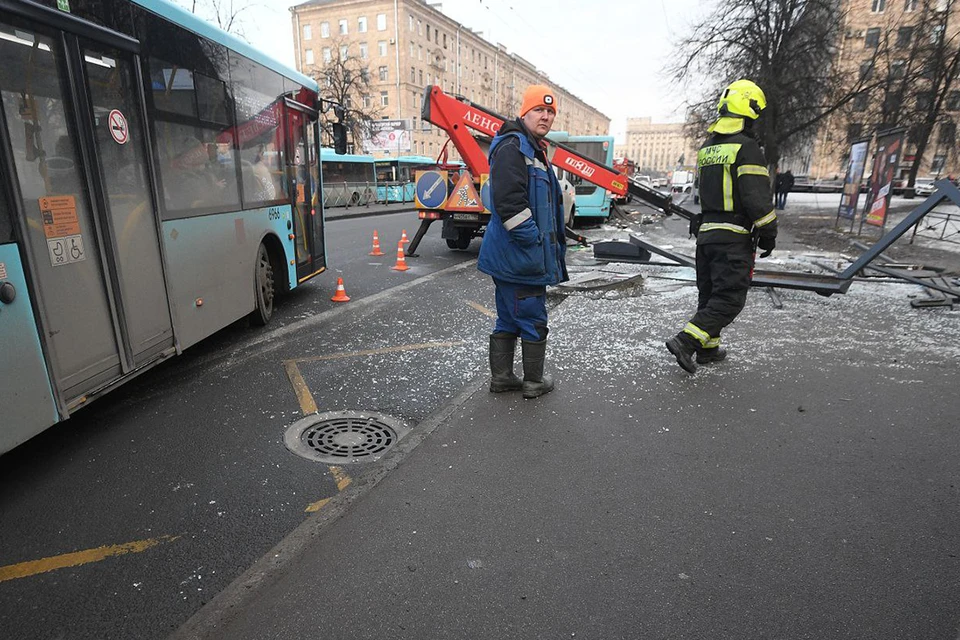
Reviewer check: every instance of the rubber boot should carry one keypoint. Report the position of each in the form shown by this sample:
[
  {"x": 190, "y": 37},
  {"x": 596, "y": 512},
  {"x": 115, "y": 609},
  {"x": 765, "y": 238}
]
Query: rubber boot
[
  {"x": 535, "y": 384},
  {"x": 708, "y": 356},
  {"x": 683, "y": 348},
  {"x": 502, "y": 378}
]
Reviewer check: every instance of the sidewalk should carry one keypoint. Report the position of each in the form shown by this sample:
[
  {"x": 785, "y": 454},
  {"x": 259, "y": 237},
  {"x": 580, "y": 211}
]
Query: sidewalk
[
  {"x": 805, "y": 488},
  {"x": 333, "y": 213}
]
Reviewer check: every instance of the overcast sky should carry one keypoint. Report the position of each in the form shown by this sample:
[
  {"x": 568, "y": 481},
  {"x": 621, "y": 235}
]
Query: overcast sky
[{"x": 609, "y": 53}]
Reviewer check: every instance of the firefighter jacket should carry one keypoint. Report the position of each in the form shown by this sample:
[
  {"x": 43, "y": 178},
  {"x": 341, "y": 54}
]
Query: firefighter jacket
[
  {"x": 734, "y": 184},
  {"x": 524, "y": 241}
]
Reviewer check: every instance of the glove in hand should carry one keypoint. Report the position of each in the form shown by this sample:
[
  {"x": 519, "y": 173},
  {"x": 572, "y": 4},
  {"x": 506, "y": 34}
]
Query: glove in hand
[{"x": 768, "y": 245}]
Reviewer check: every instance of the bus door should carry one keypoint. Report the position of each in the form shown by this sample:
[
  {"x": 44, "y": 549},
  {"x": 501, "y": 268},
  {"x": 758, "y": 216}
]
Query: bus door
[
  {"x": 73, "y": 122},
  {"x": 302, "y": 155}
]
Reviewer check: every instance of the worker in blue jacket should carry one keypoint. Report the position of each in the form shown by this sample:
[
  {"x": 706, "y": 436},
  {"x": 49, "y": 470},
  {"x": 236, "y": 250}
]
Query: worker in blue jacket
[{"x": 523, "y": 247}]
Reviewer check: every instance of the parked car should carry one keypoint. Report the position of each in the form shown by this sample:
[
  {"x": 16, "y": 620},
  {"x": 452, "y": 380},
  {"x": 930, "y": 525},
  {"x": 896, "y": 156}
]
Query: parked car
[{"x": 923, "y": 186}]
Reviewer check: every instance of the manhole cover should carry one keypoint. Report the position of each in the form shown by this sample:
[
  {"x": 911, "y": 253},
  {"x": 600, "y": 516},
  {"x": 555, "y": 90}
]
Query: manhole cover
[{"x": 341, "y": 437}]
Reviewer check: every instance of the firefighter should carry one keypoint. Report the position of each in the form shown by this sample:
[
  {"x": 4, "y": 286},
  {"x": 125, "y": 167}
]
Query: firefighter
[
  {"x": 523, "y": 246},
  {"x": 736, "y": 217}
]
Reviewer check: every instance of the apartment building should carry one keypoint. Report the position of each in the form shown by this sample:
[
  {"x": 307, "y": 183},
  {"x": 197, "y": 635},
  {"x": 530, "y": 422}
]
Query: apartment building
[
  {"x": 407, "y": 45},
  {"x": 658, "y": 148},
  {"x": 879, "y": 40}
]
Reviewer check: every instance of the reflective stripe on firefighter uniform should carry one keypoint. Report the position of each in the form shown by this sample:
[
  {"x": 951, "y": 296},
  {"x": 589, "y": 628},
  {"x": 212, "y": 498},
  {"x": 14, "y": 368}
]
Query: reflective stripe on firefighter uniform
[{"x": 736, "y": 204}]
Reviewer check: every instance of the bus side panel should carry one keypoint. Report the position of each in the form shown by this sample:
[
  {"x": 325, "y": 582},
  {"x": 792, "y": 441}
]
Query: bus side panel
[
  {"x": 212, "y": 265},
  {"x": 26, "y": 396}
]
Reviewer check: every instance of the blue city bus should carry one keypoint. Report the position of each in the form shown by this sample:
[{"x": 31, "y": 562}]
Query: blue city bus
[
  {"x": 396, "y": 177},
  {"x": 593, "y": 202},
  {"x": 348, "y": 180},
  {"x": 156, "y": 185}
]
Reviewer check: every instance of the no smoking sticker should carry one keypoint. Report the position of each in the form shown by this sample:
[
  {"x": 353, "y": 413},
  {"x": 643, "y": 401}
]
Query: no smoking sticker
[{"x": 118, "y": 127}]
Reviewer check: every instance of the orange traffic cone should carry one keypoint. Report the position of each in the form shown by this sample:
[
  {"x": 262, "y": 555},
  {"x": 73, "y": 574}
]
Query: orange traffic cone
[
  {"x": 376, "y": 245},
  {"x": 401, "y": 261},
  {"x": 341, "y": 294},
  {"x": 403, "y": 237}
]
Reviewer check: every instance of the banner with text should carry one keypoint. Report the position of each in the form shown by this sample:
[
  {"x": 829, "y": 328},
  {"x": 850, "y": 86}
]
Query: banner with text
[
  {"x": 885, "y": 164},
  {"x": 851, "y": 182},
  {"x": 388, "y": 136}
]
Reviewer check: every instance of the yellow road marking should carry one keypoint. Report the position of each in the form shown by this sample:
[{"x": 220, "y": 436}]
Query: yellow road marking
[
  {"x": 343, "y": 481},
  {"x": 482, "y": 309},
  {"x": 307, "y": 404},
  {"x": 77, "y": 558}
]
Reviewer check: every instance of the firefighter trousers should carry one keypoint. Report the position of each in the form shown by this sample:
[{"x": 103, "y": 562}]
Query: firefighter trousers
[{"x": 724, "y": 272}]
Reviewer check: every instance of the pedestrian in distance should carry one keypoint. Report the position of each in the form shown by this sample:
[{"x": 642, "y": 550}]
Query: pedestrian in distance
[
  {"x": 788, "y": 181},
  {"x": 524, "y": 247},
  {"x": 736, "y": 217},
  {"x": 778, "y": 181}
]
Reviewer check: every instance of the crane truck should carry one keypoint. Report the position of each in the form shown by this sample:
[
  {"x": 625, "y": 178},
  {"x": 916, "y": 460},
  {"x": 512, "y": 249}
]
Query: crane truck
[{"x": 459, "y": 196}]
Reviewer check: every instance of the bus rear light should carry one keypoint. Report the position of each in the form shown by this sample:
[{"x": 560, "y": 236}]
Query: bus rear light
[{"x": 430, "y": 215}]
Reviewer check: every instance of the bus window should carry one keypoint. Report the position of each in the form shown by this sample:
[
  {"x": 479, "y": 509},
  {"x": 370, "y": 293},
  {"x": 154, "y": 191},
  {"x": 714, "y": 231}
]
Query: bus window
[
  {"x": 257, "y": 92},
  {"x": 195, "y": 141},
  {"x": 6, "y": 220}
]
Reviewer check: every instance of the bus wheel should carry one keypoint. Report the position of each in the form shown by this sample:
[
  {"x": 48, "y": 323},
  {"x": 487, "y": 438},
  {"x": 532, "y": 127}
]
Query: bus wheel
[
  {"x": 264, "y": 291},
  {"x": 570, "y": 215}
]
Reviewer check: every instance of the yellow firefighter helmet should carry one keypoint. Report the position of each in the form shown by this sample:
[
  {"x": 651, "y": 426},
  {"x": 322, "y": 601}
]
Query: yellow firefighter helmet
[{"x": 742, "y": 98}]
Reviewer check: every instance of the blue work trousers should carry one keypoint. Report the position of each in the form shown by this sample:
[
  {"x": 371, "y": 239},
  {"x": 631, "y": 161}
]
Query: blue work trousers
[{"x": 521, "y": 310}]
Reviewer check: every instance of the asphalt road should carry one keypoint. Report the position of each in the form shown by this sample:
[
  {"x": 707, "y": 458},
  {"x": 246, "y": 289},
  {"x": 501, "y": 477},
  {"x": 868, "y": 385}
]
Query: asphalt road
[{"x": 155, "y": 497}]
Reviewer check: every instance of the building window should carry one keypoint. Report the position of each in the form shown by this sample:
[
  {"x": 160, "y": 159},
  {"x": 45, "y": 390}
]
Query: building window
[
  {"x": 948, "y": 133},
  {"x": 344, "y": 51},
  {"x": 953, "y": 101},
  {"x": 382, "y": 48},
  {"x": 343, "y": 27},
  {"x": 307, "y": 32},
  {"x": 420, "y": 52},
  {"x": 854, "y": 132},
  {"x": 428, "y": 32},
  {"x": 362, "y": 24},
  {"x": 878, "y": 6},
  {"x": 381, "y": 22},
  {"x": 860, "y": 101},
  {"x": 939, "y": 161},
  {"x": 384, "y": 99},
  {"x": 327, "y": 57},
  {"x": 383, "y": 73},
  {"x": 363, "y": 50},
  {"x": 413, "y": 74},
  {"x": 410, "y": 17},
  {"x": 444, "y": 41},
  {"x": 420, "y": 73},
  {"x": 872, "y": 39},
  {"x": 924, "y": 101},
  {"x": 309, "y": 56},
  {"x": 904, "y": 35},
  {"x": 413, "y": 49},
  {"x": 866, "y": 70},
  {"x": 911, "y": 5},
  {"x": 366, "y": 101},
  {"x": 936, "y": 33},
  {"x": 324, "y": 29},
  {"x": 419, "y": 27},
  {"x": 897, "y": 68}
]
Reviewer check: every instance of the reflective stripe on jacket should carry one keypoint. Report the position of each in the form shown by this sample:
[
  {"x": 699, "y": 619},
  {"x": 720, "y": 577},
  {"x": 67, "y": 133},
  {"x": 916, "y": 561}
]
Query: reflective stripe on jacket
[
  {"x": 734, "y": 189},
  {"x": 526, "y": 245}
]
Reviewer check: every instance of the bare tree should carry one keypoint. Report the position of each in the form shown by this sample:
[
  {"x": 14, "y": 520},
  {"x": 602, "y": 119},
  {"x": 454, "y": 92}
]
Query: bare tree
[
  {"x": 226, "y": 14},
  {"x": 789, "y": 48},
  {"x": 345, "y": 79}
]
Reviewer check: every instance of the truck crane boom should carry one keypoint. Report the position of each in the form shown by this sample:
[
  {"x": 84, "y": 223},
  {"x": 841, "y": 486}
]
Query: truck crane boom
[{"x": 459, "y": 117}]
